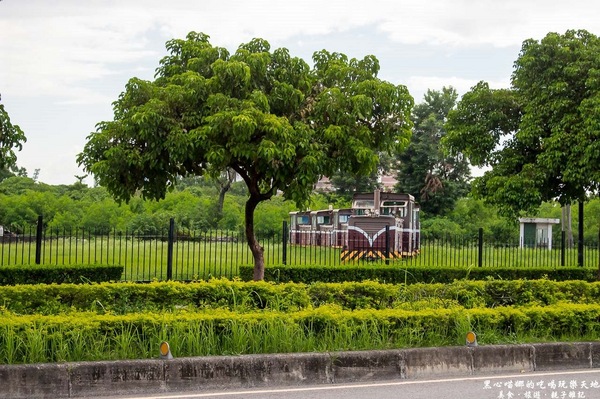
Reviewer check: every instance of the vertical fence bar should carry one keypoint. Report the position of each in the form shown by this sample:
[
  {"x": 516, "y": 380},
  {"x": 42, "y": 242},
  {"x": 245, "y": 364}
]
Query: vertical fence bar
[
  {"x": 2, "y": 250},
  {"x": 580, "y": 238},
  {"x": 480, "y": 248},
  {"x": 170, "y": 249},
  {"x": 284, "y": 239},
  {"x": 562, "y": 247},
  {"x": 38, "y": 241},
  {"x": 598, "y": 252},
  {"x": 387, "y": 244},
  {"x": 22, "y": 251}
]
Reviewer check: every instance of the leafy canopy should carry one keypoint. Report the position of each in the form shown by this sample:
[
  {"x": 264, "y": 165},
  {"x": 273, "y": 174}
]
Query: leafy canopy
[
  {"x": 278, "y": 123},
  {"x": 437, "y": 180},
  {"x": 541, "y": 137},
  {"x": 11, "y": 138}
]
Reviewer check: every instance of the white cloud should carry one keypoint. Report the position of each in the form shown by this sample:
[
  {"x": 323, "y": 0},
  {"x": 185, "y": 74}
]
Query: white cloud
[
  {"x": 50, "y": 46},
  {"x": 64, "y": 61},
  {"x": 420, "y": 84}
]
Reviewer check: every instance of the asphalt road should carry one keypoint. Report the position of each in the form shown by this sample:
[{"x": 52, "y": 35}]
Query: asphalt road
[{"x": 542, "y": 385}]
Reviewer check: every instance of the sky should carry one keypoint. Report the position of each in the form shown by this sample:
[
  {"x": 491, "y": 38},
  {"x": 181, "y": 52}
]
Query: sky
[{"x": 63, "y": 62}]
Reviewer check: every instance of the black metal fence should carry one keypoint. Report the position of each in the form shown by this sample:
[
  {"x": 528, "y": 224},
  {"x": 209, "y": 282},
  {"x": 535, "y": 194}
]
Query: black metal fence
[{"x": 188, "y": 255}]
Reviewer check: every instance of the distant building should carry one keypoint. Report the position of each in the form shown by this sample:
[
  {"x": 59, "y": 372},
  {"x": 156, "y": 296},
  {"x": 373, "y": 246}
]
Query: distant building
[
  {"x": 324, "y": 185},
  {"x": 387, "y": 182},
  {"x": 536, "y": 232}
]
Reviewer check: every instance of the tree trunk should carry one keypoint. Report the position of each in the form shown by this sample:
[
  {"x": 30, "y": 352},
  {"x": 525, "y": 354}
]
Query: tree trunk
[
  {"x": 224, "y": 185},
  {"x": 567, "y": 225},
  {"x": 255, "y": 248},
  {"x": 221, "y": 201}
]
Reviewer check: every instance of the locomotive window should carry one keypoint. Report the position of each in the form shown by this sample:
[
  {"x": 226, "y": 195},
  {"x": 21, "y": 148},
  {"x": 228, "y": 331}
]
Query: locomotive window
[
  {"x": 344, "y": 218},
  {"x": 396, "y": 208},
  {"x": 394, "y": 203},
  {"x": 322, "y": 219},
  {"x": 303, "y": 219},
  {"x": 368, "y": 204}
]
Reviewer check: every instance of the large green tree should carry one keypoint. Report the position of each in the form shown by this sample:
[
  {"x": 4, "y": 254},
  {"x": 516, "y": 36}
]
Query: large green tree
[
  {"x": 11, "y": 139},
  {"x": 279, "y": 124},
  {"x": 541, "y": 137},
  {"x": 435, "y": 178}
]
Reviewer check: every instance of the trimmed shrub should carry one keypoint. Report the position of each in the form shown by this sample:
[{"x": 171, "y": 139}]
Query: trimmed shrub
[
  {"x": 243, "y": 297},
  {"x": 410, "y": 275},
  {"x": 59, "y": 274},
  {"x": 88, "y": 336}
]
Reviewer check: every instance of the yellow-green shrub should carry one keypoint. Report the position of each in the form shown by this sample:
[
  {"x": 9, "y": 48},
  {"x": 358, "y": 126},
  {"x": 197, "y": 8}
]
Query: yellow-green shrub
[{"x": 90, "y": 336}]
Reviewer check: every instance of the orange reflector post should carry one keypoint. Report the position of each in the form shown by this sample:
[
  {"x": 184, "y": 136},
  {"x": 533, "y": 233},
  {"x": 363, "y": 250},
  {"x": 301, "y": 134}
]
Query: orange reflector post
[
  {"x": 165, "y": 350},
  {"x": 471, "y": 339}
]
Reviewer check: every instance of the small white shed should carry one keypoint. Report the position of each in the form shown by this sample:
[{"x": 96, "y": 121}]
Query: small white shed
[{"x": 536, "y": 232}]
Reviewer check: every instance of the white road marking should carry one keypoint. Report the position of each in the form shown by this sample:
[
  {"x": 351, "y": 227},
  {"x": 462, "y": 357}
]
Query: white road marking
[{"x": 354, "y": 386}]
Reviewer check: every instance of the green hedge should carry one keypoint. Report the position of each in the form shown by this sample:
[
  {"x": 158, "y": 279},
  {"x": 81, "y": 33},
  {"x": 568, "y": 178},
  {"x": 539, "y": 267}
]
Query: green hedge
[
  {"x": 85, "y": 336},
  {"x": 59, "y": 274},
  {"x": 122, "y": 298},
  {"x": 410, "y": 275}
]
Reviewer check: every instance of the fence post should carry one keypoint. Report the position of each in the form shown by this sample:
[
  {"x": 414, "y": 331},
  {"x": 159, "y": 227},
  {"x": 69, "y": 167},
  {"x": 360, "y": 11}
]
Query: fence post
[
  {"x": 38, "y": 240},
  {"x": 480, "y": 248},
  {"x": 284, "y": 235},
  {"x": 171, "y": 239},
  {"x": 387, "y": 245},
  {"x": 580, "y": 236},
  {"x": 562, "y": 247},
  {"x": 599, "y": 253}
]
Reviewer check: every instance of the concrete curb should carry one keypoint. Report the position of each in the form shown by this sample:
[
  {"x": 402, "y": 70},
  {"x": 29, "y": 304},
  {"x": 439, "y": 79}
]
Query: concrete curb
[{"x": 89, "y": 379}]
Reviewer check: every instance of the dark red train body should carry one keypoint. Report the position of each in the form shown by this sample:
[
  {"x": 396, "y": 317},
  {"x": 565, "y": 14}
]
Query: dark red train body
[{"x": 379, "y": 225}]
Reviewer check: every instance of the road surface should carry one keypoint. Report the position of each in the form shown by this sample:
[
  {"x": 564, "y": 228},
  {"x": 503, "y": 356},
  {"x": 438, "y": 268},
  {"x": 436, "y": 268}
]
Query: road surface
[{"x": 576, "y": 384}]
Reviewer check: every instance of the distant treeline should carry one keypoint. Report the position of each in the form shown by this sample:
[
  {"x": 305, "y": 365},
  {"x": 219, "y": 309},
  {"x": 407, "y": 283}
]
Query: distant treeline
[{"x": 194, "y": 205}]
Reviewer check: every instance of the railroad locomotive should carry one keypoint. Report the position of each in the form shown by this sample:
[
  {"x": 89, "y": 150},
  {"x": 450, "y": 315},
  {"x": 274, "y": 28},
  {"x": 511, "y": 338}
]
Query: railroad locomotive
[{"x": 380, "y": 225}]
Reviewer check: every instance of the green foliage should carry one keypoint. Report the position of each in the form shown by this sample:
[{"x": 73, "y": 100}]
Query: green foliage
[
  {"x": 233, "y": 215},
  {"x": 414, "y": 274},
  {"x": 434, "y": 178},
  {"x": 60, "y": 274},
  {"x": 86, "y": 336},
  {"x": 279, "y": 124},
  {"x": 346, "y": 184},
  {"x": 11, "y": 139},
  {"x": 440, "y": 228},
  {"x": 78, "y": 322},
  {"x": 270, "y": 215},
  {"x": 541, "y": 136},
  {"x": 237, "y": 296},
  {"x": 471, "y": 214},
  {"x": 123, "y": 298},
  {"x": 12, "y": 171}
]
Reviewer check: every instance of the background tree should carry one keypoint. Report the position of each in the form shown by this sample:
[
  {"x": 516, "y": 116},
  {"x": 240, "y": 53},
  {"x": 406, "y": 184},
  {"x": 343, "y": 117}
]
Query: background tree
[
  {"x": 11, "y": 138},
  {"x": 346, "y": 184},
  {"x": 425, "y": 171},
  {"x": 223, "y": 183},
  {"x": 542, "y": 136},
  {"x": 279, "y": 124},
  {"x": 12, "y": 171}
]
